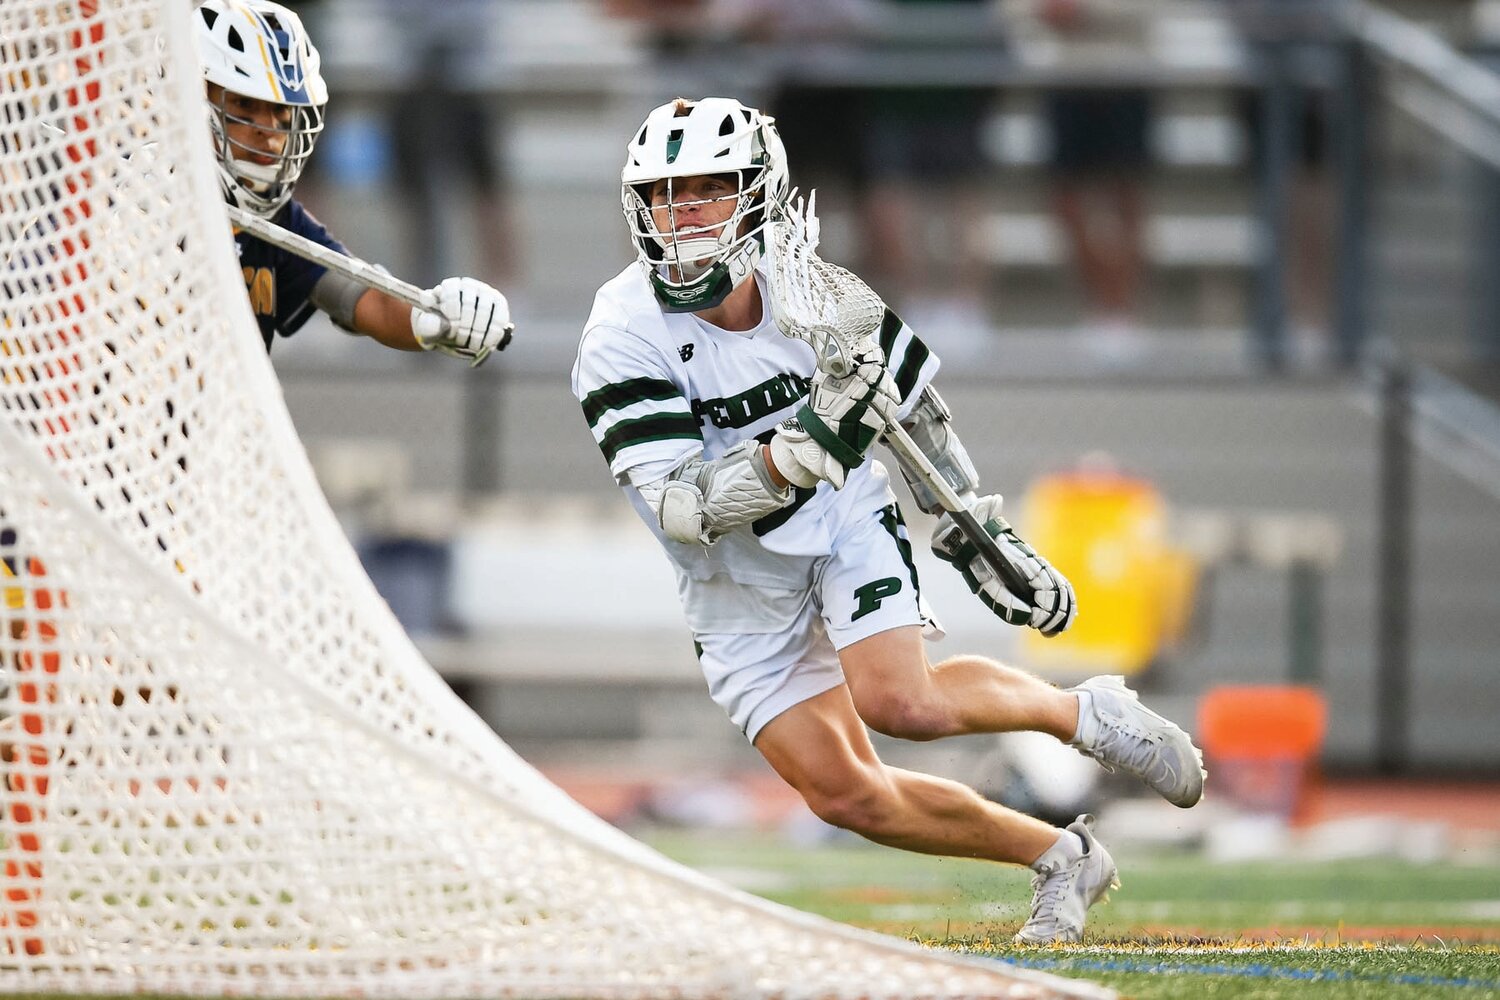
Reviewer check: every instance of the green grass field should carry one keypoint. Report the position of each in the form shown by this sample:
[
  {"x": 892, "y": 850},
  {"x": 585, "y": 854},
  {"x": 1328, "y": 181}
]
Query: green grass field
[{"x": 1179, "y": 926}]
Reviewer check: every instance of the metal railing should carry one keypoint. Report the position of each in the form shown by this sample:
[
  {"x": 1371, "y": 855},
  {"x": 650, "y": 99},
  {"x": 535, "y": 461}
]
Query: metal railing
[
  {"x": 1421, "y": 192},
  {"x": 1428, "y": 424}
]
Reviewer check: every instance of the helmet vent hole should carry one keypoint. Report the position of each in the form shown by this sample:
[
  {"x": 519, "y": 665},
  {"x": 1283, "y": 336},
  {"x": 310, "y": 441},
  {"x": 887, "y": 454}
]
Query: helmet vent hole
[
  {"x": 722, "y": 152},
  {"x": 235, "y": 41},
  {"x": 726, "y": 127},
  {"x": 640, "y": 140},
  {"x": 209, "y": 16}
]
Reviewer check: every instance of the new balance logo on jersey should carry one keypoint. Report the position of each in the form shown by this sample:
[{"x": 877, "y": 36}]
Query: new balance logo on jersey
[{"x": 685, "y": 352}]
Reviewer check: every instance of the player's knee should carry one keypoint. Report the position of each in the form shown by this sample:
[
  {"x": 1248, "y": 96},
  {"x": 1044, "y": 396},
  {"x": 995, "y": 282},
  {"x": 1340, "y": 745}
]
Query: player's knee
[
  {"x": 906, "y": 715},
  {"x": 865, "y": 807}
]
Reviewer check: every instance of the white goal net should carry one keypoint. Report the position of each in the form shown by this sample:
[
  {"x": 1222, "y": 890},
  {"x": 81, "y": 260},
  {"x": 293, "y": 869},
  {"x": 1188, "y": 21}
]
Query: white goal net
[{"x": 226, "y": 769}]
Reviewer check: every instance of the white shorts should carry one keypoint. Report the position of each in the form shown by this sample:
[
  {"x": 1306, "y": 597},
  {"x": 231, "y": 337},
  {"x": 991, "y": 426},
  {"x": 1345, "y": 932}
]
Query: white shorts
[{"x": 868, "y": 585}]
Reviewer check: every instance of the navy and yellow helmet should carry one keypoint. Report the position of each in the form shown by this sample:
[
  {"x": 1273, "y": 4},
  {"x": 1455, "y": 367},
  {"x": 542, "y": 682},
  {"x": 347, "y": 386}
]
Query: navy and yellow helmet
[{"x": 260, "y": 50}]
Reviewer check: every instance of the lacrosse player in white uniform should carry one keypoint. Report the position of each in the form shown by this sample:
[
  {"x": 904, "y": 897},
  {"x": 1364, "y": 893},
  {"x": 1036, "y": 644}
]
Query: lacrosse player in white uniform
[
  {"x": 265, "y": 101},
  {"x": 793, "y": 563}
]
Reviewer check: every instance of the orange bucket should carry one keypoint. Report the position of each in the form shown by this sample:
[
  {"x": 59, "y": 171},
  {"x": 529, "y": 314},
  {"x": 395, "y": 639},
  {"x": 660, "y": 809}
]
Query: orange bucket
[{"x": 1262, "y": 743}]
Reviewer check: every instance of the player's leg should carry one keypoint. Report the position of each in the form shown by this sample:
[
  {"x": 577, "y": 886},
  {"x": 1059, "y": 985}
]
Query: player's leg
[
  {"x": 871, "y": 607},
  {"x": 783, "y": 686},
  {"x": 820, "y": 748},
  {"x": 899, "y": 693}
]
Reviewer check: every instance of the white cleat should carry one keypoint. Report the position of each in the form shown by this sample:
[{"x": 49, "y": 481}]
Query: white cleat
[
  {"x": 1065, "y": 886},
  {"x": 1120, "y": 733}
]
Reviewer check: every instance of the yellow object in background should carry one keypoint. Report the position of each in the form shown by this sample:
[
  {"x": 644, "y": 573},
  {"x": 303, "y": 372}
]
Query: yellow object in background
[{"x": 1107, "y": 533}]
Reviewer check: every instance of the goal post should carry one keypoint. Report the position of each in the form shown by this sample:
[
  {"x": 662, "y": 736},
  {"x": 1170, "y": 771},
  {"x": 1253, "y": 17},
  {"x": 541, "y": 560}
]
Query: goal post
[{"x": 226, "y": 768}]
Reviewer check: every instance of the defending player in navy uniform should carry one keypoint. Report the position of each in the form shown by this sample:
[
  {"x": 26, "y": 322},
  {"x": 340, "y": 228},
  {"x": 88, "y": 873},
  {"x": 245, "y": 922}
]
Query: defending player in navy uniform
[
  {"x": 751, "y": 467},
  {"x": 266, "y": 99}
]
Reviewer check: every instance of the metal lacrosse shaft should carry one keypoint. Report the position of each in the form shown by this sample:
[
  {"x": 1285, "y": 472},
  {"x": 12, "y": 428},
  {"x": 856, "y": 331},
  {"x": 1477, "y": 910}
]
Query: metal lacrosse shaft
[
  {"x": 365, "y": 273},
  {"x": 901, "y": 443}
]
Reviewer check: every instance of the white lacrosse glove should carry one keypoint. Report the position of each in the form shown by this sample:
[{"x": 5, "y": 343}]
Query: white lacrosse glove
[
  {"x": 801, "y": 460},
  {"x": 845, "y": 415},
  {"x": 468, "y": 320},
  {"x": 1049, "y": 608}
]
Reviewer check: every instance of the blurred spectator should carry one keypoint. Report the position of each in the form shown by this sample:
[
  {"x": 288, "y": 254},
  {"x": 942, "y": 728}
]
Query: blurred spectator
[
  {"x": 1309, "y": 212},
  {"x": 823, "y": 122},
  {"x": 446, "y": 137},
  {"x": 1099, "y": 161},
  {"x": 1282, "y": 36},
  {"x": 923, "y": 162}
]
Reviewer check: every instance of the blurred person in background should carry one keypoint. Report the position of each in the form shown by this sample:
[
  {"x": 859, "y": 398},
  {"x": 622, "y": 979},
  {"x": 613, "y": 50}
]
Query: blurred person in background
[
  {"x": 921, "y": 154},
  {"x": 671, "y": 25},
  {"x": 1099, "y": 161},
  {"x": 1278, "y": 34},
  {"x": 447, "y": 136},
  {"x": 751, "y": 467},
  {"x": 266, "y": 98}
]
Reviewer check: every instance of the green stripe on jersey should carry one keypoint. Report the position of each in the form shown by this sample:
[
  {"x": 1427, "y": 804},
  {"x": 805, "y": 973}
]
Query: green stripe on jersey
[
  {"x": 893, "y": 522},
  {"x": 911, "y": 366},
  {"x": 643, "y": 430},
  {"x": 618, "y": 395},
  {"x": 890, "y": 328}
]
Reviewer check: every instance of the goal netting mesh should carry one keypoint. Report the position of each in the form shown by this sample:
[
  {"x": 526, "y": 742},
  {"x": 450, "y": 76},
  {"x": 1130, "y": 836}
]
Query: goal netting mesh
[{"x": 226, "y": 769}]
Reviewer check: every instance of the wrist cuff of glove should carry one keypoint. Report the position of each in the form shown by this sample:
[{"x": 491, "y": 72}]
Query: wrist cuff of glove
[
  {"x": 955, "y": 547},
  {"x": 848, "y": 453},
  {"x": 417, "y": 314}
]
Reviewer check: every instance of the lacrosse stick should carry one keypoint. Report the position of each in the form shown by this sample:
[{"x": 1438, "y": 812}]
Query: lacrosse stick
[
  {"x": 833, "y": 310},
  {"x": 364, "y": 272}
]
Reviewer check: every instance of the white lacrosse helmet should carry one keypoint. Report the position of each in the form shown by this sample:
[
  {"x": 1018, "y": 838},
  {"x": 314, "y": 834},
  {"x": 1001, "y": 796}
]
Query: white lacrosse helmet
[
  {"x": 693, "y": 268},
  {"x": 260, "y": 50}
]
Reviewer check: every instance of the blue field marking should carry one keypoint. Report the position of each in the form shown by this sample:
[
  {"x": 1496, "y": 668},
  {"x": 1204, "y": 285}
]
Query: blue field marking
[{"x": 1255, "y": 971}]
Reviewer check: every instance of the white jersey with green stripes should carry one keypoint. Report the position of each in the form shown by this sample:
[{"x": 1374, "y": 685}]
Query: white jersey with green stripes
[{"x": 657, "y": 387}]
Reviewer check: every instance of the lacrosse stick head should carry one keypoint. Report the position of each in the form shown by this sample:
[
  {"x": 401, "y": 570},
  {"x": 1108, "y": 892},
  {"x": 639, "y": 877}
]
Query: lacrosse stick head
[{"x": 827, "y": 306}]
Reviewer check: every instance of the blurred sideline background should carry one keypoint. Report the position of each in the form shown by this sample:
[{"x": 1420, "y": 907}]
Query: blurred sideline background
[{"x": 1217, "y": 285}]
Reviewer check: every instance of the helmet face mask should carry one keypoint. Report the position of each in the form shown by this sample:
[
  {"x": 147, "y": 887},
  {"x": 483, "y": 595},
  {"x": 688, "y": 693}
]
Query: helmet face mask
[
  {"x": 693, "y": 264},
  {"x": 265, "y": 96}
]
